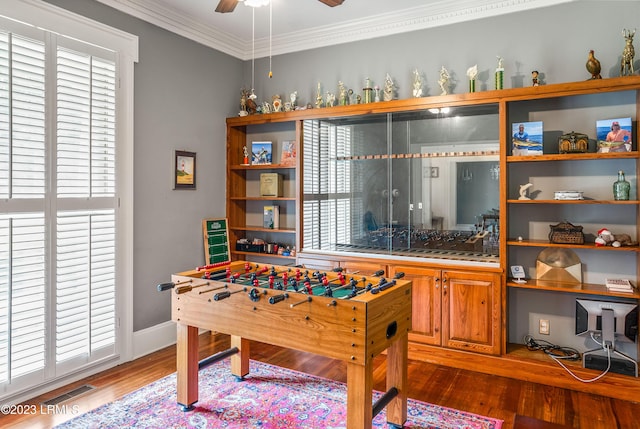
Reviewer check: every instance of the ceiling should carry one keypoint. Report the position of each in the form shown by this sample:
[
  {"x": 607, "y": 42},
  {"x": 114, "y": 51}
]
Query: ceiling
[{"x": 306, "y": 24}]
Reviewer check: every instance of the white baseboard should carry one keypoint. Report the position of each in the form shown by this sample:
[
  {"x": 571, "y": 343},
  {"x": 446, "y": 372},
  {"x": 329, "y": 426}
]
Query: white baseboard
[{"x": 154, "y": 338}]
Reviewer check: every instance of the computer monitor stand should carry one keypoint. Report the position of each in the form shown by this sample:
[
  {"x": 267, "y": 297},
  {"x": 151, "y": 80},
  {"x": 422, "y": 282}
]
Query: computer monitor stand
[{"x": 609, "y": 341}]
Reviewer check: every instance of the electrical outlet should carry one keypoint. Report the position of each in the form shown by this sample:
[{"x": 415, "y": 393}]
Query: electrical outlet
[{"x": 544, "y": 326}]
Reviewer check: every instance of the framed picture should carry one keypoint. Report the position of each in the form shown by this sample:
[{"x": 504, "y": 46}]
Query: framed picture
[
  {"x": 614, "y": 135},
  {"x": 526, "y": 138},
  {"x": 288, "y": 153},
  {"x": 184, "y": 170},
  {"x": 261, "y": 153}
]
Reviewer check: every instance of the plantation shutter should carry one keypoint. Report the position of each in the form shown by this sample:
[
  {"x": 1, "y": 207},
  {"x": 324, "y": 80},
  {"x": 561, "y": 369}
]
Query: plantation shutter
[{"x": 58, "y": 205}]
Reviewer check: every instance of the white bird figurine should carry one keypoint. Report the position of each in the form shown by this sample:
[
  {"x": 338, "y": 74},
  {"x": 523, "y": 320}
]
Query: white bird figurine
[{"x": 523, "y": 191}]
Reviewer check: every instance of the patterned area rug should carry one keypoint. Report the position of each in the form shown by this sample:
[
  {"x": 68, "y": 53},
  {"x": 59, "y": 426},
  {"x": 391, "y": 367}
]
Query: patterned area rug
[{"x": 270, "y": 397}]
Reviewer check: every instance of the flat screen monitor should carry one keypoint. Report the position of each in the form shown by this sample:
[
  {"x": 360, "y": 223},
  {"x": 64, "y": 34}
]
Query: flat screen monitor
[{"x": 589, "y": 318}]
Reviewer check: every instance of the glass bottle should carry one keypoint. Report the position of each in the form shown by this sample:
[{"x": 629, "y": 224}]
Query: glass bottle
[{"x": 621, "y": 188}]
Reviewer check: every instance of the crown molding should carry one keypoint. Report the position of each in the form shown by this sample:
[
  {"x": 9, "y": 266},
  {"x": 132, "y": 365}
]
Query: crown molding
[{"x": 432, "y": 14}]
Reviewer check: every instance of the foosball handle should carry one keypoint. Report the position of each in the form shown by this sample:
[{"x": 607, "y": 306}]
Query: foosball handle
[
  {"x": 399, "y": 275},
  {"x": 378, "y": 273},
  {"x": 166, "y": 286}
]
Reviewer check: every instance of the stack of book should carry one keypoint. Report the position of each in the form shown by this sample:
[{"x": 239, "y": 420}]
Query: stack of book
[{"x": 619, "y": 285}]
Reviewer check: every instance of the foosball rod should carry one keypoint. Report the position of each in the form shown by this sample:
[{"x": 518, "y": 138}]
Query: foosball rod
[
  {"x": 384, "y": 401},
  {"x": 217, "y": 357}
]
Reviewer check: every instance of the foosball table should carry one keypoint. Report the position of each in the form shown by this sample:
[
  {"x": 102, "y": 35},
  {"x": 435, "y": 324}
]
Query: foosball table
[{"x": 346, "y": 316}]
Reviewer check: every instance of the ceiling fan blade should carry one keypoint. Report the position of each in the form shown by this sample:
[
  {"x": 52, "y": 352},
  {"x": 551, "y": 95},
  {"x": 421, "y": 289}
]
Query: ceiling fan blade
[
  {"x": 226, "y": 6},
  {"x": 332, "y": 3}
]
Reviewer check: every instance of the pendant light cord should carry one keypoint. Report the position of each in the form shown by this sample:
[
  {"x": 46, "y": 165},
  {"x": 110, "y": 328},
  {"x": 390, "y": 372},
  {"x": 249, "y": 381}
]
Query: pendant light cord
[{"x": 270, "y": 35}]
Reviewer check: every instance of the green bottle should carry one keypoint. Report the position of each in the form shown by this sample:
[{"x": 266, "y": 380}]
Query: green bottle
[{"x": 621, "y": 188}]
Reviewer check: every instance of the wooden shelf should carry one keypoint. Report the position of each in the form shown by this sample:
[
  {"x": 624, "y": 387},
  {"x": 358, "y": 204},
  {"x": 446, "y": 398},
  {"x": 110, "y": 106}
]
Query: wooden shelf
[
  {"x": 264, "y": 255},
  {"x": 262, "y": 167},
  {"x": 621, "y": 202},
  {"x": 573, "y": 157},
  {"x": 581, "y": 288},
  {"x": 586, "y": 246},
  {"x": 262, "y": 198},
  {"x": 262, "y": 229}
]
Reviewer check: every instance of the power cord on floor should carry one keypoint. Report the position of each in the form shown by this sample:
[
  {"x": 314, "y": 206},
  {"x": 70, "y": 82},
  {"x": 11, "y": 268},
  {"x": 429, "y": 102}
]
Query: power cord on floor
[{"x": 558, "y": 354}]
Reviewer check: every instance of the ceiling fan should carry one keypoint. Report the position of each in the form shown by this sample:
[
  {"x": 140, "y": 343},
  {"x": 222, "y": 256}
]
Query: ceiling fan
[{"x": 229, "y": 5}]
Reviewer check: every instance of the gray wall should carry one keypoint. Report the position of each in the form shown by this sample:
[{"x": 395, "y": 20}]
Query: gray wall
[{"x": 184, "y": 91}]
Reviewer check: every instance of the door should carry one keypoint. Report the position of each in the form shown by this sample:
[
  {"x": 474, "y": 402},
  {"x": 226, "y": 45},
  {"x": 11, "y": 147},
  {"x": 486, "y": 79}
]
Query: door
[
  {"x": 426, "y": 303},
  {"x": 471, "y": 311}
]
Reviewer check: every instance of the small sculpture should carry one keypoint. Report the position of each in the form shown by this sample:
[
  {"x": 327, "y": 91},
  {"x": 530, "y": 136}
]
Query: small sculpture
[
  {"x": 387, "y": 93},
  {"x": 331, "y": 99},
  {"x": 534, "y": 78},
  {"x": 377, "y": 92},
  {"x": 417, "y": 84},
  {"x": 523, "y": 191},
  {"x": 472, "y": 72},
  {"x": 342, "y": 91},
  {"x": 444, "y": 81},
  {"x": 293, "y": 97},
  {"x": 499, "y": 78},
  {"x": 368, "y": 91},
  {"x": 593, "y": 66},
  {"x": 277, "y": 103},
  {"x": 319, "y": 97},
  {"x": 245, "y": 152},
  {"x": 626, "y": 63},
  {"x": 244, "y": 94}
]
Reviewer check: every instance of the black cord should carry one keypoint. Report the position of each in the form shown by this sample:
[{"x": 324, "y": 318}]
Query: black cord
[{"x": 551, "y": 349}]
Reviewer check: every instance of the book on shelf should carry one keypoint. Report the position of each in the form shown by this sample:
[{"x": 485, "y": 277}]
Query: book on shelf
[
  {"x": 619, "y": 285},
  {"x": 271, "y": 218}
]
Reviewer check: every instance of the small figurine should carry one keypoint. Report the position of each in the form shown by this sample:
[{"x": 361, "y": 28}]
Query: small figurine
[
  {"x": 331, "y": 99},
  {"x": 342, "y": 91},
  {"x": 417, "y": 84},
  {"x": 293, "y": 97},
  {"x": 367, "y": 90},
  {"x": 472, "y": 72},
  {"x": 319, "y": 97},
  {"x": 444, "y": 81},
  {"x": 523, "y": 191},
  {"x": 245, "y": 152},
  {"x": 387, "y": 93},
  {"x": 500, "y": 73},
  {"x": 277, "y": 103},
  {"x": 377, "y": 92},
  {"x": 534, "y": 78},
  {"x": 243, "y": 102},
  {"x": 626, "y": 63},
  {"x": 593, "y": 66}
]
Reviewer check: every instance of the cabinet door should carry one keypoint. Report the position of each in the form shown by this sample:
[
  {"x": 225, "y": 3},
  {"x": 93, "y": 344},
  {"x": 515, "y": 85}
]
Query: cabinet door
[
  {"x": 426, "y": 303},
  {"x": 471, "y": 311}
]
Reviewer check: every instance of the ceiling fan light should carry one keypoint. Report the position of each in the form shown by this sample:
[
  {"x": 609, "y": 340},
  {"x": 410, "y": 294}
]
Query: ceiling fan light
[{"x": 256, "y": 3}]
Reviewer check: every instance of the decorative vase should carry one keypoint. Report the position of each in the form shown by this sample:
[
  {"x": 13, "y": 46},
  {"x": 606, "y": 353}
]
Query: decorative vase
[{"x": 621, "y": 188}]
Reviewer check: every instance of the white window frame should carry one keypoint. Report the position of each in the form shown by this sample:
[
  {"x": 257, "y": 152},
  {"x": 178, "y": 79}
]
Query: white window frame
[{"x": 57, "y": 20}]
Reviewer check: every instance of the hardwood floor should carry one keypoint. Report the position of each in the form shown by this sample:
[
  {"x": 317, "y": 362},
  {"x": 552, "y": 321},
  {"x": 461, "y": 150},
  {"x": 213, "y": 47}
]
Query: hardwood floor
[{"x": 521, "y": 405}]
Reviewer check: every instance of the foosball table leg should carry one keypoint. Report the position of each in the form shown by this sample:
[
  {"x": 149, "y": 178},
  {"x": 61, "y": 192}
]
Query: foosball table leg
[
  {"x": 240, "y": 361},
  {"x": 187, "y": 366}
]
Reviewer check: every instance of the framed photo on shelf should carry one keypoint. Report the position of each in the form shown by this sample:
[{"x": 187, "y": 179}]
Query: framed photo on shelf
[
  {"x": 184, "y": 172},
  {"x": 614, "y": 135},
  {"x": 527, "y": 138},
  {"x": 261, "y": 153},
  {"x": 288, "y": 153}
]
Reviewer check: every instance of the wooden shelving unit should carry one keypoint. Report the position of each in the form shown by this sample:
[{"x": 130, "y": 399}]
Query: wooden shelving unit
[{"x": 514, "y": 105}]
